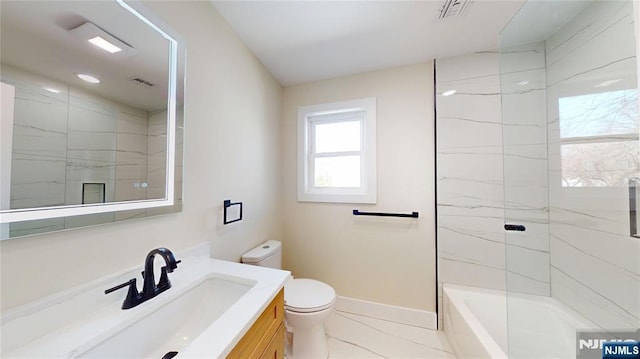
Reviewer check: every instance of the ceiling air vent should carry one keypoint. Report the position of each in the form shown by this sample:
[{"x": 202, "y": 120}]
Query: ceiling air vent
[
  {"x": 452, "y": 8},
  {"x": 142, "y": 82}
]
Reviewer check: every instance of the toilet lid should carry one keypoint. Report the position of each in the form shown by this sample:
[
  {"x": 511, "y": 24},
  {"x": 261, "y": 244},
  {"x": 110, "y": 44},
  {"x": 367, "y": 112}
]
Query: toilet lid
[{"x": 308, "y": 295}]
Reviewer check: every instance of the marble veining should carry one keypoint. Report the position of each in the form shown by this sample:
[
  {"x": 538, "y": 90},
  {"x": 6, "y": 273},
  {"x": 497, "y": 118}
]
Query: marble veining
[
  {"x": 355, "y": 336},
  {"x": 593, "y": 69},
  {"x": 584, "y": 28},
  {"x": 39, "y": 131},
  {"x": 454, "y": 257},
  {"x": 466, "y": 248},
  {"x": 594, "y": 261},
  {"x": 475, "y": 234},
  {"x": 631, "y": 316},
  {"x": 570, "y": 38},
  {"x": 472, "y": 201}
]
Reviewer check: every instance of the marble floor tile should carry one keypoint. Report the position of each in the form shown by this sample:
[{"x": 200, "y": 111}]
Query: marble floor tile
[{"x": 356, "y": 336}]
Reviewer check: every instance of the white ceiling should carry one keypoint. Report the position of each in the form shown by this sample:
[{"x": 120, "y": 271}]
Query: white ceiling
[{"x": 305, "y": 41}]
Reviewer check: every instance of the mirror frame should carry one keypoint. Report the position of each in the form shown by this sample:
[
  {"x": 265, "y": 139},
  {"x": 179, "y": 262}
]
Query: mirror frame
[
  {"x": 27, "y": 214},
  {"x": 634, "y": 187}
]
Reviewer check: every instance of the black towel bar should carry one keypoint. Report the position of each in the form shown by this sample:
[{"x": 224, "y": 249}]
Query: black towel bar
[{"x": 379, "y": 214}]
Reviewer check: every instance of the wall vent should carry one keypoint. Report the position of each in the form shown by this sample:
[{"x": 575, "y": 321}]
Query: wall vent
[
  {"x": 142, "y": 82},
  {"x": 452, "y": 8}
]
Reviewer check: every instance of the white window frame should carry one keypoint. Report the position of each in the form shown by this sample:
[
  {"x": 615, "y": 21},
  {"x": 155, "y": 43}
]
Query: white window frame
[
  {"x": 579, "y": 140},
  {"x": 308, "y": 117}
]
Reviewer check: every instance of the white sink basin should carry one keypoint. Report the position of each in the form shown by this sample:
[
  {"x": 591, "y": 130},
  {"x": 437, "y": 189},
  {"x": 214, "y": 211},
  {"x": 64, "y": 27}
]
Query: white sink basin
[
  {"x": 173, "y": 326},
  {"x": 210, "y": 306}
]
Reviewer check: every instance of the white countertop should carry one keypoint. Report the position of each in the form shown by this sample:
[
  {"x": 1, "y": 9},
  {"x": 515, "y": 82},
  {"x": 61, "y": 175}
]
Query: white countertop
[{"x": 69, "y": 324}]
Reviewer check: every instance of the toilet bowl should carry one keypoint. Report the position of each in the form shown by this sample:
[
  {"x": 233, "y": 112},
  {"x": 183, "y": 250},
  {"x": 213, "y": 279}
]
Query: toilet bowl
[{"x": 308, "y": 304}]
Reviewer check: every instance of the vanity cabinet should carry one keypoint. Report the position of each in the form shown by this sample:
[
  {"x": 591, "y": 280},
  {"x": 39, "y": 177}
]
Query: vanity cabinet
[{"x": 265, "y": 338}]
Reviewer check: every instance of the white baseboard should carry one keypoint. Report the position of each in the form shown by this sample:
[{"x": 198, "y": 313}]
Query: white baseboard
[{"x": 392, "y": 313}]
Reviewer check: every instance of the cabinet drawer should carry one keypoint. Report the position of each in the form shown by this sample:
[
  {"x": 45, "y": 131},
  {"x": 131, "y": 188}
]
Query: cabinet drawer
[
  {"x": 261, "y": 333},
  {"x": 275, "y": 349}
]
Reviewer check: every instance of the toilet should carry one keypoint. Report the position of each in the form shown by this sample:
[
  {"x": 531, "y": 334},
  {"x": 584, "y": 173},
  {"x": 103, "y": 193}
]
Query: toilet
[{"x": 308, "y": 303}]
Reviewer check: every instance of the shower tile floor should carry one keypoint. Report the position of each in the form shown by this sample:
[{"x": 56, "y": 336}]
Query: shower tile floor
[{"x": 356, "y": 336}]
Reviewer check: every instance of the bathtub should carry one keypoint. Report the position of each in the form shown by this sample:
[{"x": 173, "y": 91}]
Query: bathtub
[{"x": 475, "y": 322}]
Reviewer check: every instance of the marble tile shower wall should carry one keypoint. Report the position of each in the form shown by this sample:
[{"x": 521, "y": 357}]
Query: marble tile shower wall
[
  {"x": 38, "y": 158},
  {"x": 157, "y": 150},
  {"x": 470, "y": 196},
  {"x": 595, "y": 264},
  {"x": 131, "y": 157},
  {"x": 493, "y": 169},
  {"x": 62, "y": 140},
  {"x": 39, "y": 146},
  {"x": 524, "y": 128},
  {"x": 471, "y": 159},
  {"x": 131, "y": 160},
  {"x": 91, "y": 152}
]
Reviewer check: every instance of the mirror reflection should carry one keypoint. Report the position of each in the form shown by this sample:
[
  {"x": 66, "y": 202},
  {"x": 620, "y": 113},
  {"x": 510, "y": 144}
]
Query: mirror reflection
[
  {"x": 634, "y": 205},
  {"x": 85, "y": 93}
]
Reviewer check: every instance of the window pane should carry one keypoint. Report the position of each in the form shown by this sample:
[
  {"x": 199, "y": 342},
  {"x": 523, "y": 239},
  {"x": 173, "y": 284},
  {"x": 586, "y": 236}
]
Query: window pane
[
  {"x": 608, "y": 164},
  {"x": 337, "y": 136},
  {"x": 598, "y": 114},
  {"x": 337, "y": 171}
]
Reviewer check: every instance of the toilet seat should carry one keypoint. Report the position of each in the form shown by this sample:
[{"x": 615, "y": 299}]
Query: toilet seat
[
  {"x": 308, "y": 310},
  {"x": 308, "y": 296}
]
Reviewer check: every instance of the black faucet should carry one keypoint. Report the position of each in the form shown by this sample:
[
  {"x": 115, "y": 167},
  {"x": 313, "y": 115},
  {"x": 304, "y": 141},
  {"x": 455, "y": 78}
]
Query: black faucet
[{"x": 150, "y": 289}]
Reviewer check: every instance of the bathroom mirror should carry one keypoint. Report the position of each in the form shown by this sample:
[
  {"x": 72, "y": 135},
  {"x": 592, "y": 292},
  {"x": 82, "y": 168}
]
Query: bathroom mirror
[
  {"x": 92, "y": 114},
  {"x": 634, "y": 204}
]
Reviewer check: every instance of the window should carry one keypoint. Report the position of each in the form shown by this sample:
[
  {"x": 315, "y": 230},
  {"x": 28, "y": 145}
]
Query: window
[
  {"x": 599, "y": 139},
  {"x": 337, "y": 152}
]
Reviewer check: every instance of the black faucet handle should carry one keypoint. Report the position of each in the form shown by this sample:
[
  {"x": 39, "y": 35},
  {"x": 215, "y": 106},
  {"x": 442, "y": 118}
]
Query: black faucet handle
[
  {"x": 133, "y": 296},
  {"x": 120, "y": 286},
  {"x": 175, "y": 264},
  {"x": 171, "y": 262},
  {"x": 164, "y": 283}
]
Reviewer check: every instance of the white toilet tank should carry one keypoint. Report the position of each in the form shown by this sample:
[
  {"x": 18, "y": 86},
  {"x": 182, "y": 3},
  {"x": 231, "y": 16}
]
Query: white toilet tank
[{"x": 268, "y": 254}]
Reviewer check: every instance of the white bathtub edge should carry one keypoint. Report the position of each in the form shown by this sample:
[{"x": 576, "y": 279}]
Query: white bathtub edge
[{"x": 488, "y": 346}]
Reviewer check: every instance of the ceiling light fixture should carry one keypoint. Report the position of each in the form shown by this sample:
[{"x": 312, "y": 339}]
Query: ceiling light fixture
[
  {"x": 89, "y": 78},
  {"x": 105, "y": 45},
  {"x": 102, "y": 39},
  {"x": 449, "y": 93},
  {"x": 607, "y": 83}
]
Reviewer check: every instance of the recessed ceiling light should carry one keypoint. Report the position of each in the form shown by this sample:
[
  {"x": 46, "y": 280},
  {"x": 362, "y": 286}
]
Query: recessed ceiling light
[
  {"x": 449, "y": 93},
  {"x": 105, "y": 45},
  {"x": 607, "y": 83},
  {"x": 89, "y": 78},
  {"x": 51, "y": 89}
]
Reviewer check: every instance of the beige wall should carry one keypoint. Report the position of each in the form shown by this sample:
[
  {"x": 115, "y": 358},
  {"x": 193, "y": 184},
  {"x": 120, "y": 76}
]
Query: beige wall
[
  {"x": 384, "y": 260},
  {"x": 232, "y": 150}
]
